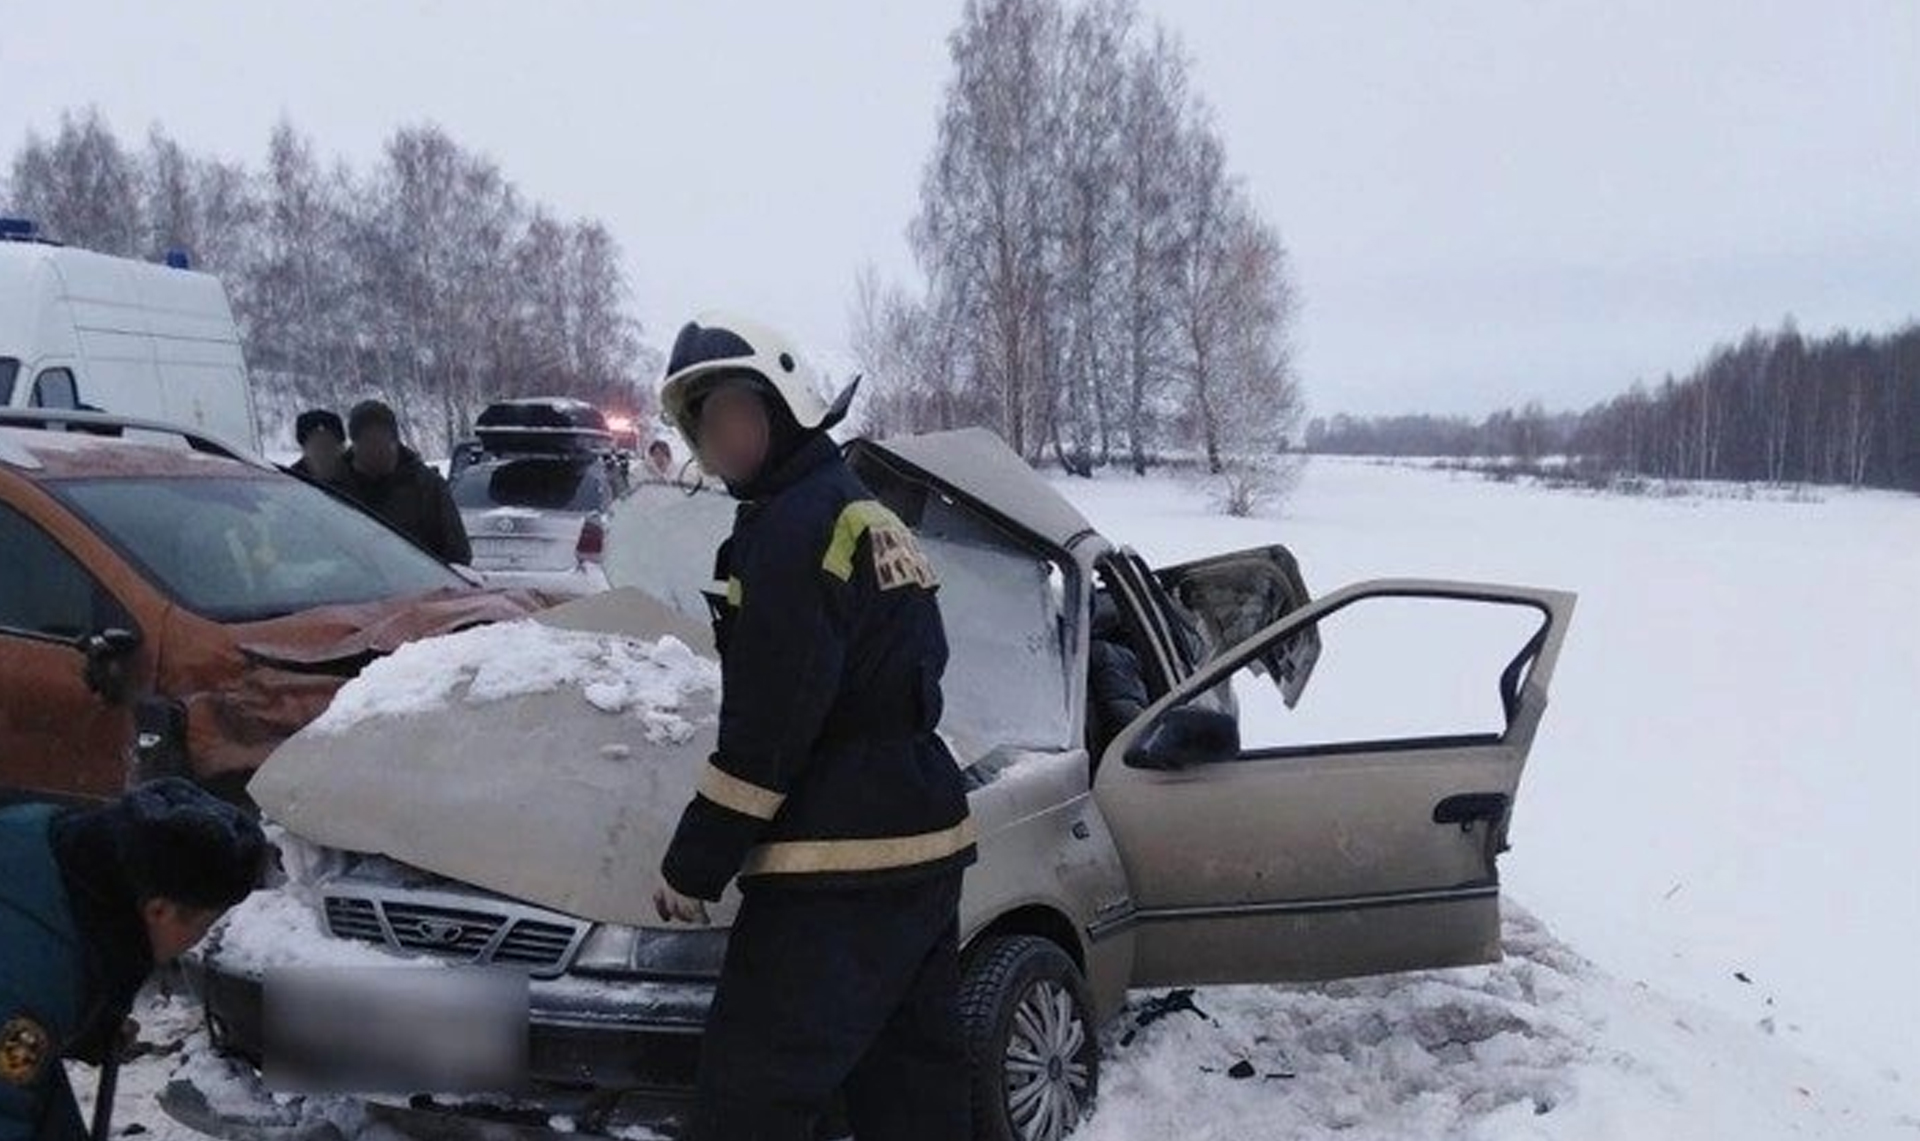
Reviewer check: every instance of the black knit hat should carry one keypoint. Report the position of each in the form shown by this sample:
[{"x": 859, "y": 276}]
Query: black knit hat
[
  {"x": 177, "y": 841},
  {"x": 318, "y": 419},
  {"x": 369, "y": 413}
]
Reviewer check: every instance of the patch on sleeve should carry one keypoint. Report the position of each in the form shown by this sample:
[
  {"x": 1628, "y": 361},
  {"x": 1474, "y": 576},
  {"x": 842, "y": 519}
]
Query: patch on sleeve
[
  {"x": 897, "y": 560},
  {"x": 23, "y": 1051}
]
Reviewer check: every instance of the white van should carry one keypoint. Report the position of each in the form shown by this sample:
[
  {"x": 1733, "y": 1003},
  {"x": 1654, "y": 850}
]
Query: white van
[{"x": 81, "y": 329}]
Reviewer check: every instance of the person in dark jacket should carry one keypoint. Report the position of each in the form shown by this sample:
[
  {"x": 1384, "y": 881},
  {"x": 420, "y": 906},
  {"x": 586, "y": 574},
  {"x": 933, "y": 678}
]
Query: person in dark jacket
[
  {"x": 389, "y": 479},
  {"x": 92, "y": 900},
  {"x": 1116, "y": 684},
  {"x": 830, "y": 796},
  {"x": 322, "y": 438}
]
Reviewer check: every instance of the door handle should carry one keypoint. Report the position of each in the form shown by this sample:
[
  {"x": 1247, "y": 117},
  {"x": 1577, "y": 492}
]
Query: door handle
[{"x": 1466, "y": 808}]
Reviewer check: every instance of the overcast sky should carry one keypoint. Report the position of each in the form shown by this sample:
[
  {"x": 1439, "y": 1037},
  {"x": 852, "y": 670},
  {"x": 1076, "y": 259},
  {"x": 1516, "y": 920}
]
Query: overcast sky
[{"x": 1484, "y": 203}]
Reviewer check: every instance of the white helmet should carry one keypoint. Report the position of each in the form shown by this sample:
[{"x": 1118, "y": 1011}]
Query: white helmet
[{"x": 714, "y": 346}]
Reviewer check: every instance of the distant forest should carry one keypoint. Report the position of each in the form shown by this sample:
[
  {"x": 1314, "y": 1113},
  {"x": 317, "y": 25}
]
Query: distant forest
[
  {"x": 426, "y": 277},
  {"x": 1775, "y": 407}
]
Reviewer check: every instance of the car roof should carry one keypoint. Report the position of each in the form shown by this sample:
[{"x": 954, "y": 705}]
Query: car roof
[
  {"x": 39, "y": 453},
  {"x": 979, "y": 465}
]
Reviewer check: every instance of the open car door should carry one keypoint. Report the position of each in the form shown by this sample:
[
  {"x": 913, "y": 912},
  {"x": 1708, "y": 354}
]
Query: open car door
[
  {"x": 1235, "y": 596},
  {"x": 1355, "y": 833}
]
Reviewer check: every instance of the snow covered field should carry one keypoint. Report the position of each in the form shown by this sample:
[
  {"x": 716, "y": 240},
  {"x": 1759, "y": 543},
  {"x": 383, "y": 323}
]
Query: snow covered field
[
  {"x": 1713, "y": 893},
  {"x": 1721, "y": 807}
]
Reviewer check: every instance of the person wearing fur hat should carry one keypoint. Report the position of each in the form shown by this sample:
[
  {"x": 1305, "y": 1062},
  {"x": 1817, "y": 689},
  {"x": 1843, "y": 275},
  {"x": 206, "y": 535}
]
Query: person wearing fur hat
[
  {"x": 830, "y": 796},
  {"x": 91, "y": 900}
]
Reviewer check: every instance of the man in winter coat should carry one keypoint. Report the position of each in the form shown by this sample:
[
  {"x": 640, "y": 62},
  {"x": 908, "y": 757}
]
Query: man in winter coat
[
  {"x": 389, "y": 479},
  {"x": 830, "y": 796},
  {"x": 322, "y": 439},
  {"x": 91, "y": 901}
]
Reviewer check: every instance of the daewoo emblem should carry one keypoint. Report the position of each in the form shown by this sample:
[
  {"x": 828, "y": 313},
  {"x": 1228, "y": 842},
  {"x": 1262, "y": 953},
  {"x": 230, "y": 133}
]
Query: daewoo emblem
[{"x": 439, "y": 931}]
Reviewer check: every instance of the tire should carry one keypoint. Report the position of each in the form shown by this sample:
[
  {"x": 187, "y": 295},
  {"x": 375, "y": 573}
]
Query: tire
[{"x": 1031, "y": 1042}]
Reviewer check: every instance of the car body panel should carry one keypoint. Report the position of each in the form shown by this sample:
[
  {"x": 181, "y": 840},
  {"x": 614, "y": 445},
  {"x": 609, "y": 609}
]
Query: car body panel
[
  {"x": 1328, "y": 861},
  {"x": 519, "y": 539},
  {"x": 1236, "y": 595}
]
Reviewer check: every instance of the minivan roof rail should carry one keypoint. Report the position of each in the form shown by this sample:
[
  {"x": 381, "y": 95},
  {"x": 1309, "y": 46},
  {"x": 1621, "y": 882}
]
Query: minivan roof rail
[{"x": 106, "y": 423}]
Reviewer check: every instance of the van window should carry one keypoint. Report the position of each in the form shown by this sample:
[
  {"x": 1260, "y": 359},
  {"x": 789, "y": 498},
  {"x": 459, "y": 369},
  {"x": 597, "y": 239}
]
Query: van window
[
  {"x": 54, "y": 388},
  {"x": 8, "y": 370},
  {"x": 43, "y": 590}
]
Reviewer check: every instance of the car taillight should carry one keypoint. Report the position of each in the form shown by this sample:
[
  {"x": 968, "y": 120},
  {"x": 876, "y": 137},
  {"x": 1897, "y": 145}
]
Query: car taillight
[{"x": 593, "y": 540}]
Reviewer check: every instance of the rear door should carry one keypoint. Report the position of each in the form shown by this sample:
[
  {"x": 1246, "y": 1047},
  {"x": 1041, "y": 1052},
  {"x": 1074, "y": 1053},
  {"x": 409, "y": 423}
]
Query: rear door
[
  {"x": 1237, "y": 595},
  {"x": 1355, "y": 830}
]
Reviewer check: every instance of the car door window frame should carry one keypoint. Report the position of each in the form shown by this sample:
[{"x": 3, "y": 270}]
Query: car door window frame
[
  {"x": 107, "y": 611},
  {"x": 1137, "y": 609},
  {"x": 1518, "y": 673}
]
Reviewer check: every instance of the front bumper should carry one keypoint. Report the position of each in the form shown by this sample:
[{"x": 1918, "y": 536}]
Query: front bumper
[{"x": 597, "y": 1037}]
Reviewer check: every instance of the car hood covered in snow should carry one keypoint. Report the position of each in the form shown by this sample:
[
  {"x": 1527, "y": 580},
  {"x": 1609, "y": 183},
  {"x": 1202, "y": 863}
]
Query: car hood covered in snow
[
  {"x": 549, "y": 759},
  {"x": 546, "y": 759}
]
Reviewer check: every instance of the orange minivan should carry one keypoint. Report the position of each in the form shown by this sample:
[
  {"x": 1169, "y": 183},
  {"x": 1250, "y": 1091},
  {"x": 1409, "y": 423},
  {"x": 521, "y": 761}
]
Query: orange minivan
[{"x": 170, "y": 605}]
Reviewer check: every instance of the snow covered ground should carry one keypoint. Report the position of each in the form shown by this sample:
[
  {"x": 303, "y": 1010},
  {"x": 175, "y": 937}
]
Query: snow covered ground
[
  {"x": 1721, "y": 806},
  {"x": 1713, "y": 890}
]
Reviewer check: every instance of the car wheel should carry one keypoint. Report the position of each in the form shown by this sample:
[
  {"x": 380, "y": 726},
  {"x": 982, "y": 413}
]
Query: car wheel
[{"x": 1030, "y": 1036}]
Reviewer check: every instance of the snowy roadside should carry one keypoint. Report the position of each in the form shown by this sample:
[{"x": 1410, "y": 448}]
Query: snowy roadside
[{"x": 1541, "y": 1046}]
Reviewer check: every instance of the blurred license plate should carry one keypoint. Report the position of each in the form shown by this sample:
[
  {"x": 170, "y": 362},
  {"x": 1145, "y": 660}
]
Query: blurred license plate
[{"x": 395, "y": 1030}]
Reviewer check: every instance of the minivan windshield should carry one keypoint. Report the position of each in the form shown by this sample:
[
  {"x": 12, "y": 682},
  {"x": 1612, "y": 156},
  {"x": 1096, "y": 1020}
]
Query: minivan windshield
[{"x": 245, "y": 548}]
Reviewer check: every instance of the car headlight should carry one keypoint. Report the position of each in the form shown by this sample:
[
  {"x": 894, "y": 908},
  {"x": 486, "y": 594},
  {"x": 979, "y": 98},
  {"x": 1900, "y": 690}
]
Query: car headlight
[{"x": 638, "y": 952}]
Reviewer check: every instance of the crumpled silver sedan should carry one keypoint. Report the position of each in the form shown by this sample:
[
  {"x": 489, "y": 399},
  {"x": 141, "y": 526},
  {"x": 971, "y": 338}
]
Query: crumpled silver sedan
[{"x": 1182, "y": 775}]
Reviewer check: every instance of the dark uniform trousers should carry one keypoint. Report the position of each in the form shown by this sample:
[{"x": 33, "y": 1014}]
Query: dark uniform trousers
[{"x": 844, "y": 990}]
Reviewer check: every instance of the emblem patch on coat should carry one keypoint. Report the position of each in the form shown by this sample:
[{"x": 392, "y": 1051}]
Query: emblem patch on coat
[
  {"x": 897, "y": 560},
  {"x": 23, "y": 1050}
]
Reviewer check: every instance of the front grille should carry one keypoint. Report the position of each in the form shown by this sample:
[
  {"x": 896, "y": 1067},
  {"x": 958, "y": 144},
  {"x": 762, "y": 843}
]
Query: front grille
[
  {"x": 355, "y": 919},
  {"x": 533, "y": 942},
  {"x": 457, "y": 927},
  {"x": 445, "y": 930}
]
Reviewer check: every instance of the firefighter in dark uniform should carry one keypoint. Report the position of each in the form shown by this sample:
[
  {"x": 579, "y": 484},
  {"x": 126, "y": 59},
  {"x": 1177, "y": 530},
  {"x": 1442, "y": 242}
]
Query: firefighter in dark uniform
[
  {"x": 90, "y": 902},
  {"x": 830, "y": 796}
]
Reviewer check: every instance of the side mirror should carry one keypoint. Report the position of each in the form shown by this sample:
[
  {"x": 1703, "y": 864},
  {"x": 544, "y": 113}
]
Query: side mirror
[
  {"x": 1184, "y": 737},
  {"x": 106, "y": 653}
]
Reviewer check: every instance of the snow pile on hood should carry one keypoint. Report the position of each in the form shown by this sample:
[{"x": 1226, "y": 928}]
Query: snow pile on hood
[{"x": 612, "y": 673}]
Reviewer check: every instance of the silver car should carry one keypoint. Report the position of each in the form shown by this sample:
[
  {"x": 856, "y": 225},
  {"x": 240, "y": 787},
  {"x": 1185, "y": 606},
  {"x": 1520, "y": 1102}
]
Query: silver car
[
  {"x": 540, "y": 520},
  {"x": 1293, "y": 802}
]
